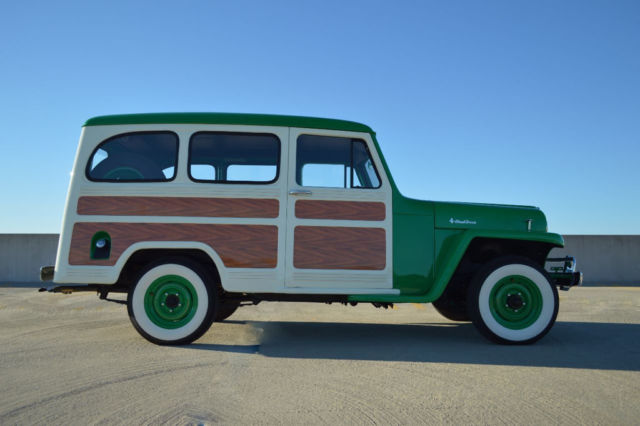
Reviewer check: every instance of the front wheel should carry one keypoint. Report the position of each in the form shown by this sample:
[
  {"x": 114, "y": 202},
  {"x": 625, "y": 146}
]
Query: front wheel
[
  {"x": 172, "y": 303},
  {"x": 512, "y": 301}
]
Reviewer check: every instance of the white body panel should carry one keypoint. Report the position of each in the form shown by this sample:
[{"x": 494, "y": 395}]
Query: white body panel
[{"x": 258, "y": 280}]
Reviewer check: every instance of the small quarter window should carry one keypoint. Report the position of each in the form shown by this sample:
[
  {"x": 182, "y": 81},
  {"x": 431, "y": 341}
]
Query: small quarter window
[
  {"x": 225, "y": 157},
  {"x": 133, "y": 157},
  {"x": 334, "y": 162}
]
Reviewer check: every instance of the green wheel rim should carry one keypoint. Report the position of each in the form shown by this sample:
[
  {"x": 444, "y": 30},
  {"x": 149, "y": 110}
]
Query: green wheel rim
[
  {"x": 515, "y": 302},
  {"x": 170, "y": 301}
]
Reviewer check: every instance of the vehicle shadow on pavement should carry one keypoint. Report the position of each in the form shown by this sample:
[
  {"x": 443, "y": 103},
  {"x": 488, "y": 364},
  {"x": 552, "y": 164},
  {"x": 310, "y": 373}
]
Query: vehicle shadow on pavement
[{"x": 602, "y": 346}]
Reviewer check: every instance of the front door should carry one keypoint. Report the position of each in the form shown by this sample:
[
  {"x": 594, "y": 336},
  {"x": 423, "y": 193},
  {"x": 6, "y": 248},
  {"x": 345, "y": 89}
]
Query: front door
[{"x": 339, "y": 214}]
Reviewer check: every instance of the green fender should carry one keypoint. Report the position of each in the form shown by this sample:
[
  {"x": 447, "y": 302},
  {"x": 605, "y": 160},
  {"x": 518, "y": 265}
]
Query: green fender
[{"x": 449, "y": 256}]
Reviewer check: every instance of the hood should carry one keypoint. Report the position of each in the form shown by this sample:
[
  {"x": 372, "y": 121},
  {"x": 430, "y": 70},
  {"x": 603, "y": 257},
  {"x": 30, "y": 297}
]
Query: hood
[{"x": 489, "y": 216}]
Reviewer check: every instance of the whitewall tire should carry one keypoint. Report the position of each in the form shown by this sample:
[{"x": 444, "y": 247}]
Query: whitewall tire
[
  {"x": 512, "y": 300},
  {"x": 172, "y": 302}
]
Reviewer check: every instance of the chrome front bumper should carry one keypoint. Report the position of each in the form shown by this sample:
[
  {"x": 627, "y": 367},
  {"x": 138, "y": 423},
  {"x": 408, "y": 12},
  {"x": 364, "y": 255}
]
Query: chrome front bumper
[{"x": 563, "y": 272}]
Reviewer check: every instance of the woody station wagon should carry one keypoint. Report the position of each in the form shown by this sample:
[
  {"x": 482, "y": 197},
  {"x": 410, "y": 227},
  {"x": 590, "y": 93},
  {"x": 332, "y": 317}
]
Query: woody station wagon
[{"x": 195, "y": 214}]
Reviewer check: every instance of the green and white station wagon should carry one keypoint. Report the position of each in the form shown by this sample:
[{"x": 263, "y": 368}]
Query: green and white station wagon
[{"x": 195, "y": 214}]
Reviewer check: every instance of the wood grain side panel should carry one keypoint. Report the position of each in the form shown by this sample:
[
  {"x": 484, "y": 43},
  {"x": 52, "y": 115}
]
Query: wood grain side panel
[
  {"x": 178, "y": 206},
  {"x": 340, "y": 210},
  {"x": 239, "y": 246},
  {"x": 326, "y": 247}
]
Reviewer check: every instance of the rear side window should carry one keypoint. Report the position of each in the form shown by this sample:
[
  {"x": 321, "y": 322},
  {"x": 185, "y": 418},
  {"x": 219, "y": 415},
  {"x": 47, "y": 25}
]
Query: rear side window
[
  {"x": 135, "y": 157},
  {"x": 227, "y": 157},
  {"x": 334, "y": 162}
]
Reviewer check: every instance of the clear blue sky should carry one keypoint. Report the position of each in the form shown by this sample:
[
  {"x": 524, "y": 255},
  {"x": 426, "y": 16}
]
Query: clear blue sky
[{"x": 513, "y": 102}]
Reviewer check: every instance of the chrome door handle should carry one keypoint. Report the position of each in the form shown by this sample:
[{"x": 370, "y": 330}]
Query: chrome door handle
[{"x": 299, "y": 192}]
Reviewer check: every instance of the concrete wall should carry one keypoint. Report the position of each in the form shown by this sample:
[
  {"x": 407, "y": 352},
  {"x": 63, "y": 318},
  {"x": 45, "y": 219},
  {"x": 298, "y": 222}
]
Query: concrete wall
[
  {"x": 604, "y": 259},
  {"x": 22, "y": 255}
]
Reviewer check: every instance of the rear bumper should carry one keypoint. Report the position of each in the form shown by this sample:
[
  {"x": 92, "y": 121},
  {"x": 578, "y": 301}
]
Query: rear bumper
[{"x": 46, "y": 273}]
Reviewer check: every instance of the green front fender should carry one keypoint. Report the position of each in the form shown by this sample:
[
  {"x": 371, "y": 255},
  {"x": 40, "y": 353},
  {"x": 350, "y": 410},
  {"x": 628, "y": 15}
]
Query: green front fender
[{"x": 452, "y": 247}]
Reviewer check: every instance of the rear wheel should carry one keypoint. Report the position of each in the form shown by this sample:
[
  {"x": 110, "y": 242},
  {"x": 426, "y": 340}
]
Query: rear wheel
[
  {"x": 512, "y": 300},
  {"x": 172, "y": 302}
]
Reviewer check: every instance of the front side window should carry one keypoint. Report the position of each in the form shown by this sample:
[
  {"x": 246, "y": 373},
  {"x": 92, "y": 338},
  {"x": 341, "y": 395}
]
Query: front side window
[
  {"x": 133, "y": 157},
  {"x": 334, "y": 162},
  {"x": 227, "y": 157}
]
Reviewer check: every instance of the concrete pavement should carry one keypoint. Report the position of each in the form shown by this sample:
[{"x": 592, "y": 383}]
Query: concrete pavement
[{"x": 73, "y": 359}]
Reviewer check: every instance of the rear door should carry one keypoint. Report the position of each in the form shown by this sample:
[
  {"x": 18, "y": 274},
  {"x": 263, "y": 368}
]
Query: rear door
[{"x": 338, "y": 214}]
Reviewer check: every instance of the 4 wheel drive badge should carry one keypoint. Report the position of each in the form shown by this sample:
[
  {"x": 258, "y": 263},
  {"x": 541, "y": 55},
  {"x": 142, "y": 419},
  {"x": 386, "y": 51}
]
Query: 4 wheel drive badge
[{"x": 462, "y": 222}]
